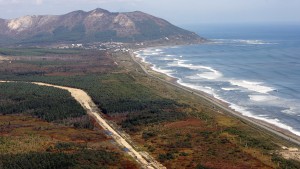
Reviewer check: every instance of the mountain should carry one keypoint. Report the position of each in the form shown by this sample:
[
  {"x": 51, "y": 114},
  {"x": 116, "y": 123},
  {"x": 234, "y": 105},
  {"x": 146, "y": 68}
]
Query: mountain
[{"x": 98, "y": 25}]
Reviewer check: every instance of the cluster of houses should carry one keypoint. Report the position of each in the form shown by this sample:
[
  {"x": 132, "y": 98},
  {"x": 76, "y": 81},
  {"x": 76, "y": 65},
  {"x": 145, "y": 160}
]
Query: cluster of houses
[{"x": 114, "y": 46}]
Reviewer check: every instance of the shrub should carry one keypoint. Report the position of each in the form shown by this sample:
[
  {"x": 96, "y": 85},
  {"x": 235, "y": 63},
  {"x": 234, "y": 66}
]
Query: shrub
[
  {"x": 164, "y": 157},
  {"x": 148, "y": 134}
]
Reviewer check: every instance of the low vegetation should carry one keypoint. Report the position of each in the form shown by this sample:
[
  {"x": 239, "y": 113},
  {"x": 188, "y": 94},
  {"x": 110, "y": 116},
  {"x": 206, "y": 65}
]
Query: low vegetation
[
  {"x": 30, "y": 143},
  {"x": 36, "y": 51},
  {"x": 284, "y": 163},
  {"x": 83, "y": 159},
  {"x": 177, "y": 128}
]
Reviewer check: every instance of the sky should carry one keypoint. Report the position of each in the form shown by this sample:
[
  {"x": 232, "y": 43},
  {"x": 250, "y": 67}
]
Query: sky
[{"x": 178, "y": 12}]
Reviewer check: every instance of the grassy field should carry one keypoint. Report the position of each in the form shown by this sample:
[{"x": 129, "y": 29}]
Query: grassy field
[
  {"x": 176, "y": 127},
  {"x": 37, "y": 51}
]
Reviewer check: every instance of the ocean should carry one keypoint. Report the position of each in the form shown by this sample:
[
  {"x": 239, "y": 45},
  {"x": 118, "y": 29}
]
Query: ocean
[{"x": 254, "y": 68}]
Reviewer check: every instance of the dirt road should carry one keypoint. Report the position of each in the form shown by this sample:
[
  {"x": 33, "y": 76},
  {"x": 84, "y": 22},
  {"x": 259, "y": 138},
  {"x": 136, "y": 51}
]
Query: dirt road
[
  {"x": 143, "y": 158},
  {"x": 3, "y": 59}
]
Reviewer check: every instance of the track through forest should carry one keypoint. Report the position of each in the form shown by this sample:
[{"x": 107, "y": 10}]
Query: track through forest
[{"x": 143, "y": 158}]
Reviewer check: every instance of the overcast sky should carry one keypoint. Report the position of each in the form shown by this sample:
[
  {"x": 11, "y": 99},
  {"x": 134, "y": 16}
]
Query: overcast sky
[{"x": 176, "y": 11}]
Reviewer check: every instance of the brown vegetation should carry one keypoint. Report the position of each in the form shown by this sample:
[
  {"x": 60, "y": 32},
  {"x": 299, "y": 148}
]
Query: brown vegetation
[
  {"x": 174, "y": 126},
  {"x": 20, "y": 134},
  {"x": 84, "y": 62}
]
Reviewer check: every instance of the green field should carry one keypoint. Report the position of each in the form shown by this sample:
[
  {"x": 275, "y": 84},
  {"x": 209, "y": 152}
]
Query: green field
[{"x": 36, "y": 51}]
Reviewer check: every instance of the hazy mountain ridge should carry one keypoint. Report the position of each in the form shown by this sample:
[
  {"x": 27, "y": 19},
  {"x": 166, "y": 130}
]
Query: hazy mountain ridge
[{"x": 97, "y": 25}]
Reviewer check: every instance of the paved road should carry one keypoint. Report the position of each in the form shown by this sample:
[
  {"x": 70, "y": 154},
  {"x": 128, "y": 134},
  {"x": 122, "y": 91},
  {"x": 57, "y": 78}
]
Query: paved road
[
  {"x": 219, "y": 104},
  {"x": 143, "y": 158}
]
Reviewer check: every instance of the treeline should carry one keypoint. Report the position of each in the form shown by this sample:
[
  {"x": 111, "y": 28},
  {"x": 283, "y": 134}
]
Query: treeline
[
  {"x": 119, "y": 94},
  {"x": 48, "y": 103},
  {"x": 91, "y": 159},
  {"x": 114, "y": 93},
  {"x": 36, "y": 51},
  {"x": 134, "y": 120}
]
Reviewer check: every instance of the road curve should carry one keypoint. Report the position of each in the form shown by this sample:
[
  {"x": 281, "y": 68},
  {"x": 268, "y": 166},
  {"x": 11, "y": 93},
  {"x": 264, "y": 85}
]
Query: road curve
[
  {"x": 219, "y": 104},
  {"x": 143, "y": 158}
]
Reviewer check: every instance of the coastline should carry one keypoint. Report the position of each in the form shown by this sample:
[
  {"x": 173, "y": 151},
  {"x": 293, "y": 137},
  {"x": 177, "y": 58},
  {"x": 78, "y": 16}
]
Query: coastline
[{"x": 218, "y": 104}]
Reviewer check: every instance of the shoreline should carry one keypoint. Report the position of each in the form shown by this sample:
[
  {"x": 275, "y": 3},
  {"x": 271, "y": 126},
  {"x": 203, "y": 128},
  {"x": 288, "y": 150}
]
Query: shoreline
[{"x": 223, "y": 105}]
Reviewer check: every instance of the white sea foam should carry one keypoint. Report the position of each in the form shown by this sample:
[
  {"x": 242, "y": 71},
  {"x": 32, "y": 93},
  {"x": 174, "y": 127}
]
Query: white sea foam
[
  {"x": 153, "y": 53},
  {"x": 229, "y": 88},
  {"x": 144, "y": 60},
  {"x": 137, "y": 52},
  {"x": 263, "y": 98},
  {"x": 216, "y": 41},
  {"x": 288, "y": 111},
  {"x": 279, "y": 124},
  {"x": 275, "y": 121},
  {"x": 262, "y": 91},
  {"x": 292, "y": 110},
  {"x": 241, "y": 41},
  {"x": 169, "y": 59},
  {"x": 194, "y": 77},
  {"x": 164, "y": 71},
  {"x": 205, "y": 89},
  {"x": 258, "y": 88},
  {"x": 240, "y": 109},
  {"x": 291, "y": 107},
  {"x": 253, "y": 86},
  {"x": 209, "y": 73},
  {"x": 263, "y": 115},
  {"x": 147, "y": 51},
  {"x": 142, "y": 57},
  {"x": 252, "y": 42}
]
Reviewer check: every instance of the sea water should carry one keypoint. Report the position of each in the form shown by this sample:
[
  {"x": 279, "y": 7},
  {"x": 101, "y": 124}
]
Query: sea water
[{"x": 254, "y": 68}]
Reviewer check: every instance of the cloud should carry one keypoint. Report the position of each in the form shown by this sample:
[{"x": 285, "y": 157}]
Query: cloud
[
  {"x": 39, "y": 2},
  {"x": 176, "y": 11},
  {"x": 101, "y": 1}
]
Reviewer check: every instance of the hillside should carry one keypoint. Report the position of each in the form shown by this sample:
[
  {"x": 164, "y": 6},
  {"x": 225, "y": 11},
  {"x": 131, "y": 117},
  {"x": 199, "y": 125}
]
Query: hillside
[{"x": 94, "y": 26}]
